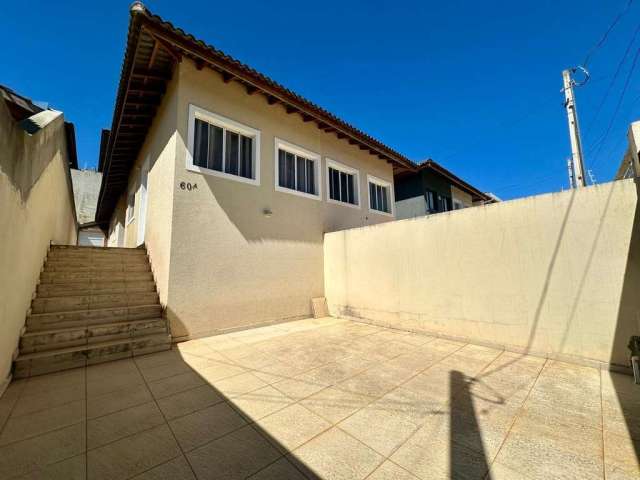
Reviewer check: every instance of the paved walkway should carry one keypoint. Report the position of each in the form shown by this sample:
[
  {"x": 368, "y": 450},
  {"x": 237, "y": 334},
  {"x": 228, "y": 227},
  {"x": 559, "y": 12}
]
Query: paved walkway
[{"x": 328, "y": 399}]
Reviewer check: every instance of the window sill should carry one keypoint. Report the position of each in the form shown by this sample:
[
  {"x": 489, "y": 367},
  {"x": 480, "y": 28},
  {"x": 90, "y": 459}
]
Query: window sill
[
  {"x": 379, "y": 212},
  {"x": 344, "y": 204},
  {"x": 298, "y": 193},
  {"x": 228, "y": 176}
]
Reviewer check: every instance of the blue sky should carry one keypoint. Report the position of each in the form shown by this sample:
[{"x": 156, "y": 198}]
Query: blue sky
[{"x": 473, "y": 85}]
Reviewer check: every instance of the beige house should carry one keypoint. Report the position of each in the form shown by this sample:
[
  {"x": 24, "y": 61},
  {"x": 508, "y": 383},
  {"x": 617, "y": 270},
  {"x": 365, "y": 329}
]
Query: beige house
[
  {"x": 230, "y": 181},
  {"x": 630, "y": 165}
]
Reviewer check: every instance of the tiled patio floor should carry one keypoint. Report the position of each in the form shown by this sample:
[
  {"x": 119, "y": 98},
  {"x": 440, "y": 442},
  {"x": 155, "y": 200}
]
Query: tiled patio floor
[{"x": 326, "y": 399}]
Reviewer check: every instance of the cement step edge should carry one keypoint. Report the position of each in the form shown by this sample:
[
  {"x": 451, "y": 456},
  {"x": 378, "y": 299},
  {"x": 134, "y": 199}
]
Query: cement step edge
[
  {"x": 34, "y": 333},
  {"x": 161, "y": 337}
]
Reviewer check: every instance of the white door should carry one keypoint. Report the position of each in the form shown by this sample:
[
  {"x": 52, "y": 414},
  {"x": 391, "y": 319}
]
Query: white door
[{"x": 142, "y": 198}]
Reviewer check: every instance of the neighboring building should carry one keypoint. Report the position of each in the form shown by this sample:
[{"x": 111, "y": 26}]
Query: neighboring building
[
  {"x": 230, "y": 180},
  {"x": 37, "y": 148},
  {"x": 432, "y": 189},
  {"x": 86, "y": 186},
  {"x": 630, "y": 165}
]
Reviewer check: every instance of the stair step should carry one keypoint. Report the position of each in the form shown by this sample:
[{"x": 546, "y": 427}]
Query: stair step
[
  {"x": 93, "y": 277},
  {"x": 89, "y": 302},
  {"x": 45, "y": 340},
  {"x": 90, "y": 267},
  {"x": 39, "y": 363},
  {"x": 72, "y": 249},
  {"x": 101, "y": 256},
  {"x": 96, "y": 261},
  {"x": 93, "y": 288},
  {"x": 82, "y": 318}
]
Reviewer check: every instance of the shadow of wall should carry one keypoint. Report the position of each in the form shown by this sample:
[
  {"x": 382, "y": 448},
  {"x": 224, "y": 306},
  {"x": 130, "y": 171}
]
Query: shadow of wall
[{"x": 628, "y": 324}]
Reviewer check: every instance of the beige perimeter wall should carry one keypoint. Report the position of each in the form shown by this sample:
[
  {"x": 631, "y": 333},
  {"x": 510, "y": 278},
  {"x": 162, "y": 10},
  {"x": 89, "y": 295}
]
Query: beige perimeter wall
[
  {"x": 36, "y": 209},
  {"x": 556, "y": 274}
]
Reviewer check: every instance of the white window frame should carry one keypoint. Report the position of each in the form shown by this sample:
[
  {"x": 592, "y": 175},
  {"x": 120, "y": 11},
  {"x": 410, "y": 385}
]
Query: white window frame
[
  {"x": 130, "y": 212},
  {"x": 280, "y": 144},
  {"x": 227, "y": 124},
  {"x": 330, "y": 163},
  {"x": 390, "y": 200}
]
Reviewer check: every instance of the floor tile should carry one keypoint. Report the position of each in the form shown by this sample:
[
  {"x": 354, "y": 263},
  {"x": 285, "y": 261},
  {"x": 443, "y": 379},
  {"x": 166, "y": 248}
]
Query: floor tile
[
  {"x": 176, "y": 469},
  {"x": 123, "y": 423},
  {"x": 539, "y": 458},
  {"x": 239, "y": 384},
  {"x": 49, "y": 399},
  {"x": 282, "y": 469},
  {"x": 334, "y": 405},
  {"x": 390, "y": 471},
  {"x": 382, "y": 430},
  {"x": 292, "y": 426},
  {"x": 205, "y": 425},
  {"x": 132, "y": 455},
  {"x": 189, "y": 401},
  {"x": 430, "y": 453},
  {"x": 234, "y": 456},
  {"x": 336, "y": 455},
  {"x": 175, "y": 384},
  {"x": 621, "y": 456},
  {"x": 118, "y": 400},
  {"x": 37, "y": 452},
  {"x": 219, "y": 371},
  {"x": 260, "y": 403},
  {"x": 297, "y": 388},
  {"x": 74, "y": 468},
  {"x": 42, "y": 421}
]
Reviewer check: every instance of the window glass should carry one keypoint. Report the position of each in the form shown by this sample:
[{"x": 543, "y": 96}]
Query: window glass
[
  {"x": 379, "y": 197},
  {"x": 217, "y": 148},
  {"x": 335, "y": 183},
  {"x": 311, "y": 178},
  {"x": 246, "y": 157},
  {"x": 372, "y": 196},
  {"x": 200, "y": 143},
  {"x": 296, "y": 172},
  {"x": 301, "y": 174},
  {"x": 342, "y": 186},
  {"x": 232, "y": 149},
  {"x": 214, "y": 161}
]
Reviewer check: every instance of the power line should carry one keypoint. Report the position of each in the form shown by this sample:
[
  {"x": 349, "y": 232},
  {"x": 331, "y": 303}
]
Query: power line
[
  {"x": 611, "y": 83},
  {"x": 602, "y": 40},
  {"x": 617, "y": 109}
]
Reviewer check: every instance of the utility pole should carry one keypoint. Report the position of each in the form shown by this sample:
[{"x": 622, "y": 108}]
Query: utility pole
[
  {"x": 574, "y": 130},
  {"x": 572, "y": 183}
]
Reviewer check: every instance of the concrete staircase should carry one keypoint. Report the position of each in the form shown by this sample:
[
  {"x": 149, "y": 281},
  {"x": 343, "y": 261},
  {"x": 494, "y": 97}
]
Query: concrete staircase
[{"x": 92, "y": 305}]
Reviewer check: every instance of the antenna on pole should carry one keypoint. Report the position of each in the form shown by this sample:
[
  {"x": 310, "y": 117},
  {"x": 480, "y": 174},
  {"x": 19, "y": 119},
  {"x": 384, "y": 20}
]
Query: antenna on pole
[{"x": 577, "y": 159}]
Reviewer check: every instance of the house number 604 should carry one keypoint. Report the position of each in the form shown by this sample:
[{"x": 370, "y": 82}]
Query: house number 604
[{"x": 188, "y": 186}]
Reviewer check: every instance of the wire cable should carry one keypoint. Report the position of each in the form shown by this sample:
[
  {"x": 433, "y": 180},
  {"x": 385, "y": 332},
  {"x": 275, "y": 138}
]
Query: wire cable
[
  {"x": 617, "y": 109},
  {"x": 611, "y": 84},
  {"x": 602, "y": 40}
]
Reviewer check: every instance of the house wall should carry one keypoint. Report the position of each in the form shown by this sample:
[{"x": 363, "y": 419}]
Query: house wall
[
  {"x": 231, "y": 265},
  {"x": 160, "y": 150},
  {"x": 461, "y": 196},
  {"x": 556, "y": 275},
  {"x": 37, "y": 209}
]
